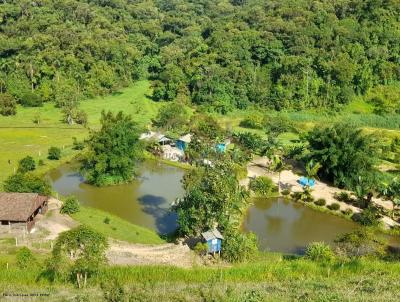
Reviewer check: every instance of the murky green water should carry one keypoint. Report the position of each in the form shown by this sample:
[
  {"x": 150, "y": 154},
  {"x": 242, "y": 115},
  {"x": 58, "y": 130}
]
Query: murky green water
[
  {"x": 285, "y": 226},
  {"x": 280, "y": 225},
  {"x": 145, "y": 202}
]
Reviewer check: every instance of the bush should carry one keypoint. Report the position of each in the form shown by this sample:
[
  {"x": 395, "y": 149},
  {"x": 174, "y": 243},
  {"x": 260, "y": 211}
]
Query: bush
[
  {"x": 27, "y": 183},
  {"x": 81, "y": 117},
  {"x": 77, "y": 145},
  {"x": 26, "y": 164},
  {"x": 262, "y": 185},
  {"x": 41, "y": 162},
  {"x": 107, "y": 220},
  {"x": 25, "y": 258},
  {"x": 343, "y": 196},
  {"x": 276, "y": 125},
  {"x": 238, "y": 246},
  {"x": 113, "y": 291},
  {"x": 319, "y": 251},
  {"x": 8, "y": 105},
  {"x": 30, "y": 99},
  {"x": 348, "y": 212},
  {"x": 253, "y": 121},
  {"x": 361, "y": 242},
  {"x": 54, "y": 153},
  {"x": 320, "y": 202},
  {"x": 201, "y": 248},
  {"x": 368, "y": 217},
  {"x": 285, "y": 192},
  {"x": 334, "y": 206},
  {"x": 70, "y": 206}
]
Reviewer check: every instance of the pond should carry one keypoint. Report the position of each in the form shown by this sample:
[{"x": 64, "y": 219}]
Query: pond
[
  {"x": 284, "y": 226},
  {"x": 280, "y": 225},
  {"x": 145, "y": 201}
]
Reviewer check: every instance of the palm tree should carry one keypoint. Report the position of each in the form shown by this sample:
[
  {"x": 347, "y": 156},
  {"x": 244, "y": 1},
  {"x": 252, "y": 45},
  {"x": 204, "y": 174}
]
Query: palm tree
[
  {"x": 278, "y": 165},
  {"x": 391, "y": 191},
  {"x": 312, "y": 169}
]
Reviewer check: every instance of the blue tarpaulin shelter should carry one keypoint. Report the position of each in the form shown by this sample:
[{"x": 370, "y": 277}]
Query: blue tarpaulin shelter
[{"x": 304, "y": 181}]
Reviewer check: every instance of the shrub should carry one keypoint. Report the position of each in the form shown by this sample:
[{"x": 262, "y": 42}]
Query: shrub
[
  {"x": 361, "y": 242},
  {"x": 320, "y": 202},
  {"x": 54, "y": 153},
  {"x": 276, "y": 125},
  {"x": 113, "y": 291},
  {"x": 8, "y": 105},
  {"x": 201, "y": 248},
  {"x": 70, "y": 206},
  {"x": 262, "y": 185},
  {"x": 368, "y": 217},
  {"x": 334, "y": 206},
  {"x": 27, "y": 183},
  {"x": 26, "y": 164},
  {"x": 30, "y": 99},
  {"x": 25, "y": 258},
  {"x": 253, "y": 121},
  {"x": 77, "y": 145},
  {"x": 41, "y": 162},
  {"x": 285, "y": 192},
  {"x": 343, "y": 196},
  {"x": 239, "y": 247},
  {"x": 348, "y": 212},
  {"x": 319, "y": 251},
  {"x": 81, "y": 117},
  {"x": 107, "y": 220}
]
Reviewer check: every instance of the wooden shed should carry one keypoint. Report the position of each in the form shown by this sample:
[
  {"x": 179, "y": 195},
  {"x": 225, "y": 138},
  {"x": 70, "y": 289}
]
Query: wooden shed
[
  {"x": 214, "y": 240},
  {"x": 21, "y": 208}
]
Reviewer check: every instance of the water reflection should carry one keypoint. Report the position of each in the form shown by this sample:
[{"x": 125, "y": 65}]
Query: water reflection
[{"x": 145, "y": 201}]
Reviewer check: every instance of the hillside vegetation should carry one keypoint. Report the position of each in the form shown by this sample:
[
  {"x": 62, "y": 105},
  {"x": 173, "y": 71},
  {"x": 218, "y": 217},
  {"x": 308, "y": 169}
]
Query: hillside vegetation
[{"x": 222, "y": 55}]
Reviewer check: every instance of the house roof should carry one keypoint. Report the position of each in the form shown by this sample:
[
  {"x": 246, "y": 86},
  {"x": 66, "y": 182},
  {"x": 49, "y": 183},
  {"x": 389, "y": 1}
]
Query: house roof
[
  {"x": 212, "y": 234},
  {"x": 19, "y": 206},
  {"x": 186, "y": 138}
]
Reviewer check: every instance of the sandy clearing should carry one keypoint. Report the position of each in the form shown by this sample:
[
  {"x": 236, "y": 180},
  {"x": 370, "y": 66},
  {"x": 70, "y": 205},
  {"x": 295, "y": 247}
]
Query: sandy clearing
[
  {"x": 288, "y": 180},
  {"x": 123, "y": 253}
]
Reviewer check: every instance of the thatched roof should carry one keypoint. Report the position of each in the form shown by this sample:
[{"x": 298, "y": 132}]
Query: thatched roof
[{"x": 19, "y": 206}]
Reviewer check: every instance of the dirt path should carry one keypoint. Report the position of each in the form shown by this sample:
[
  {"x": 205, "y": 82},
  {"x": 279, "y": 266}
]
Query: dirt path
[
  {"x": 288, "y": 180},
  {"x": 119, "y": 252},
  {"x": 123, "y": 253}
]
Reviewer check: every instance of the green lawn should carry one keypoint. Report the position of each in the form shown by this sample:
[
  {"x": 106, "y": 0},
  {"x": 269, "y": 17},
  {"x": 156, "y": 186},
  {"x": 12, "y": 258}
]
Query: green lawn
[
  {"x": 20, "y": 136},
  {"x": 117, "y": 228}
]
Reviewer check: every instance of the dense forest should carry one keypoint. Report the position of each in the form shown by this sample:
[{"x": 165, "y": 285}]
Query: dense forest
[{"x": 221, "y": 55}]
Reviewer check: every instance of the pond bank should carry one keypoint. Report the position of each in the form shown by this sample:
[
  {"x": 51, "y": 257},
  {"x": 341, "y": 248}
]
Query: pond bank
[{"x": 288, "y": 180}]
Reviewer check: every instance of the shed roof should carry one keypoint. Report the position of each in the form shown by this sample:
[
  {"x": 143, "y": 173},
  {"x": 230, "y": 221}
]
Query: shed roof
[
  {"x": 212, "y": 234},
  {"x": 19, "y": 206},
  {"x": 186, "y": 138}
]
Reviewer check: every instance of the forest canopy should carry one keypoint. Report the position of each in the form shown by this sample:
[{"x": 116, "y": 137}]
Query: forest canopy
[{"x": 221, "y": 55}]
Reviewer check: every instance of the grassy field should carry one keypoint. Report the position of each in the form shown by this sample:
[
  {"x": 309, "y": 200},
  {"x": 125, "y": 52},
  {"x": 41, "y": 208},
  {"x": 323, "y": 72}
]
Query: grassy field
[
  {"x": 273, "y": 277},
  {"x": 117, "y": 228},
  {"x": 20, "y": 136}
]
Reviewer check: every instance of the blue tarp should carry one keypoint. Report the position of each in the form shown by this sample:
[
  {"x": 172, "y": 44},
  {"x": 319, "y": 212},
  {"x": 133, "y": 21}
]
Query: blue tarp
[{"x": 304, "y": 181}]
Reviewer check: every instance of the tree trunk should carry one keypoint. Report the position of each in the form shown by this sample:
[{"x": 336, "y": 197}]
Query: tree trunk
[
  {"x": 84, "y": 283},
  {"x": 78, "y": 280},
  {"x": 279, "y": 183}
]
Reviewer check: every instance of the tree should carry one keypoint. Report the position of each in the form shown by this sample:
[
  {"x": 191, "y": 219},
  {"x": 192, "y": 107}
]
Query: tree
[
  {"x": 262, "y": 185},
  {"x": 25, "y": 258},
  {"x": 26, "y": 164},
  {"x": 71, "y": 206},
  {"x": 54, "y": 153},
  {"x": 213, "y": 197},
  {"x": 27, "y": 183},
  {"x": 84, "y": 248},
  {"x": 112, "y": 152},
  {"x": 8, "y": 105},
  {"x": 312, "y": 169},
  {"x": 172, "y": 117},
  {"x": 343, "y": 152},
  {"x": 278, "y": 165}
]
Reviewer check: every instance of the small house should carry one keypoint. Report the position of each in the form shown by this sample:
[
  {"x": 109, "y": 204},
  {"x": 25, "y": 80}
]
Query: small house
[
  {"x": 221, "y": 147},
  {"x": 184, "y": 141},
  {"x": 213, "y": 238},
  {"x": 20, "y": 209}
]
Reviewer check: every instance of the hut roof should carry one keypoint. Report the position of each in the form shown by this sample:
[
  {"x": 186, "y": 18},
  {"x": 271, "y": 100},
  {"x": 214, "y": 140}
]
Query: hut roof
[
  {"x": 212, "y": 234},
  {"x": 19, "y": 206},
  {"x": 186, "y": 138}
]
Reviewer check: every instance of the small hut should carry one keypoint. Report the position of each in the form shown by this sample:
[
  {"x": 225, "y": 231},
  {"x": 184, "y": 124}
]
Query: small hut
[
  {"x": 214, "y": 240},
  {"x": 20, "y": 209},
  {"x": 183, "y": 142}
]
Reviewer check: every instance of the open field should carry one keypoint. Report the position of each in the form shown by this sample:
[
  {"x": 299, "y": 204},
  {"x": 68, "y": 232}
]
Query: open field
[
  {"x": 20, "y": 136},
  {"x": 117, "y": 228}
]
